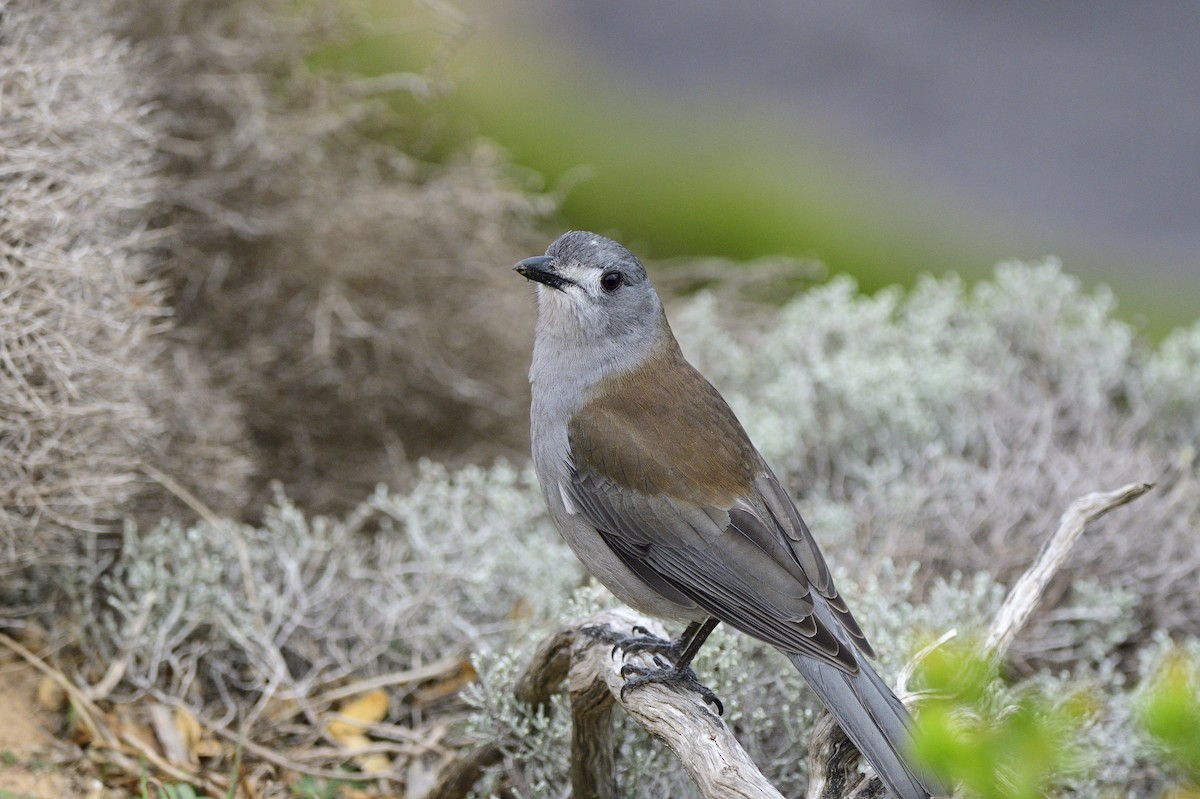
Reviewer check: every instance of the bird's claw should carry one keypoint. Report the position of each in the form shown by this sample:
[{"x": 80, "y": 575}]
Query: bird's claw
[
  {"x": 637, "y": 676},
  {"x": 662, "y": 651},
  {"x": 605, "y": 635}
]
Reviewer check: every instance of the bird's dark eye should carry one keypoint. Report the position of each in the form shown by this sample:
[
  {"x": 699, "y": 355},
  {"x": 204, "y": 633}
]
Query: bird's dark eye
[{"x": 611, "y": 281}]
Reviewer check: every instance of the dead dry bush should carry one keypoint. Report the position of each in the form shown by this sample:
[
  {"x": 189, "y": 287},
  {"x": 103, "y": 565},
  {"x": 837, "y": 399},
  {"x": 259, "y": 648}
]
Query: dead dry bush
[
  {"x": 354, "y": 300},
  {"x": 89, "y": 396}
]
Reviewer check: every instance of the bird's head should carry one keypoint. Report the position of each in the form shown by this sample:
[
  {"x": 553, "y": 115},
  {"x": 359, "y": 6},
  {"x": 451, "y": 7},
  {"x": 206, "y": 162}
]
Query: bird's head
[{"x": 595, "y": 294}]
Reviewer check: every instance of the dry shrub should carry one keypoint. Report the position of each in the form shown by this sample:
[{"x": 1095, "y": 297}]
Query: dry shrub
[
  {"x": 88, "y": 395},
  {"x": 355, "y": 301}
]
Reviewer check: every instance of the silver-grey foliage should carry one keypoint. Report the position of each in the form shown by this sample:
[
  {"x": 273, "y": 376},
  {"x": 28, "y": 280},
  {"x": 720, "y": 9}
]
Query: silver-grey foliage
[
  {"x": 224, "y": 615},
  {"x": 947, "y": 427},
  {"x": 951, "y": 425},
  {"x": 466, "y": 561}
]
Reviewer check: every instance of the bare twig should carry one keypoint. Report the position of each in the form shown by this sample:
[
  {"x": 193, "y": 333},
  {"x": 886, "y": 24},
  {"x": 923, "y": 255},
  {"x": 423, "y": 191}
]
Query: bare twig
[
  {"x": 223, "y": 526},
  {"x": 1027, "y": 592},
  {"x": 280, "y": 759},
  {"x": 910, "y": 667},
  {"x": 116, "y": 669},
  {"x": 547, "y": 668},
  {"x": 114, "y": 747},
  {"x": 460, "y": 775},
  {"x": 88, "y": 712},
  {"x": 263, "y": 752},
  {"x": 148, "y": 753},
  {"x": 833, "y": 767}
]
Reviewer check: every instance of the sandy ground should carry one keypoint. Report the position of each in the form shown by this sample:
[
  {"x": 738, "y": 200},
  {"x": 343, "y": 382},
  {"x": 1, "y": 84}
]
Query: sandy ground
[{"x": 33, "y": 761}]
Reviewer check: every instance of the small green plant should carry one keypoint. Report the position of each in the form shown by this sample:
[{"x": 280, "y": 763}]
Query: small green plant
[
  {"x": 1171, "y": 713},
  {"x": 976, "y": 732}
]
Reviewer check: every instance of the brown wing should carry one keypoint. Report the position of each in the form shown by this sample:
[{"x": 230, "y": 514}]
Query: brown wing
[
  {"x": 664, "y": 430},
  {"x": 667, "y": 475}
]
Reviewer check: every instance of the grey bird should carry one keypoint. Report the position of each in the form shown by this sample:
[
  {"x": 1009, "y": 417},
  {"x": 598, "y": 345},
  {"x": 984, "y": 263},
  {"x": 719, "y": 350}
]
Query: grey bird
[{"x": 656, "y": 487}]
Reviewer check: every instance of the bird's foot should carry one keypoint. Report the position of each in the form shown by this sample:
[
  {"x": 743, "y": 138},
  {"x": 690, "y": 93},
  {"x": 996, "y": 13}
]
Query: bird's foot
[
  {"x": 642, "y": 641},
  {"x": 637, "y": 676}
]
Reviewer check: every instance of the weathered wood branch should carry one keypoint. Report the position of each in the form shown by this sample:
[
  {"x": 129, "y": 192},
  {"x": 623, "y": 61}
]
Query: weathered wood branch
[
  {"x": 705, "y": 746},
  {"x": 459, "y": 776},
  {"x": 701, "y": 740},
  {"x": 592, "y": 748},
  {"x": 833, "y": 771}
]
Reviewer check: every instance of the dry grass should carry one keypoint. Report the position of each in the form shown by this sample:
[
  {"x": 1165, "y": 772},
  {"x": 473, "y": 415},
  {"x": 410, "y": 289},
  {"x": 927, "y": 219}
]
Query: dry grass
[{"x": 88, "y": 393}]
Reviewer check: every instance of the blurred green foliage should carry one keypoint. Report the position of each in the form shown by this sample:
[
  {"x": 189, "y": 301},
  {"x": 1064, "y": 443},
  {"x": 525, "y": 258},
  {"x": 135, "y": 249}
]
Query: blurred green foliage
[
  {"x": 670, "y": 176},
  {"x": 1171, "y": 713},
  {"x": 974, "y": 733},
  {"x": 993, "y": 748}
]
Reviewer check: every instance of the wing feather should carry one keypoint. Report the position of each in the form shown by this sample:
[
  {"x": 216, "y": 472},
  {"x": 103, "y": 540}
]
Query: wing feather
[{"x": 740, "y": 574}]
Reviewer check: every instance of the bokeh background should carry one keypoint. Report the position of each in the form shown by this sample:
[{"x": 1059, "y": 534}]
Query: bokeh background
[
  {"x": 882, "y": 139},
  {"x": 263, "y": 393}
]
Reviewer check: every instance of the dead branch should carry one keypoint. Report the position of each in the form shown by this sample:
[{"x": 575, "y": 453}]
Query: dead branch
[
  {"x": 397, "y": 679},
  {"x": 460, "y": 775},
  {"x": 1027, "y": 592},
  {"x": 833, "y": 771},
  {"x": 547, "y": 669},
  {"x": 89, "y": 715},
  {"x": 833, "y": 760},
  {"x": 705, "y": 746}
]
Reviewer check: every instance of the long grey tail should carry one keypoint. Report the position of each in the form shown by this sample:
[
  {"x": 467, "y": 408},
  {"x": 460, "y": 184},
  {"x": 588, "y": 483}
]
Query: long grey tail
[{"x": 875, "y": 720}]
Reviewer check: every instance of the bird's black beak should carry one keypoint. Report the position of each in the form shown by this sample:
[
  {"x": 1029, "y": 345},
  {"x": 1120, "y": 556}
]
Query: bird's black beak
[{"x": 541, "y": 269}]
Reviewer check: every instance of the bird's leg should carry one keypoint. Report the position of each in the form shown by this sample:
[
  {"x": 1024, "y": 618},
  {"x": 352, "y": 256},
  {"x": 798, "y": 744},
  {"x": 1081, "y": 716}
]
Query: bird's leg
[
  {"x": 681, "y": 650},
  {"x": 694, "y": 637}
]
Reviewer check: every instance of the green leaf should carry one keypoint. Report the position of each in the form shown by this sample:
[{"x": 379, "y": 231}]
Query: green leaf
[{"x": 974, "y": 733}]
